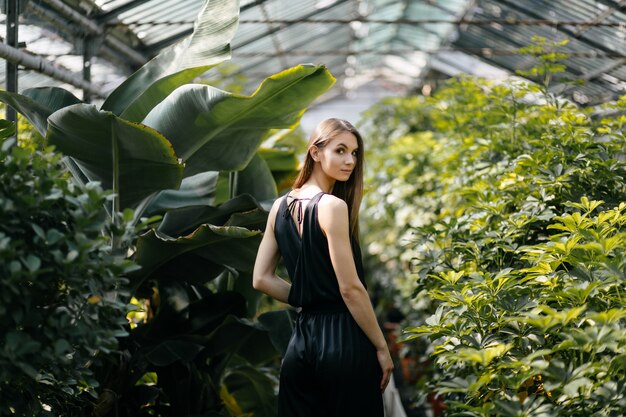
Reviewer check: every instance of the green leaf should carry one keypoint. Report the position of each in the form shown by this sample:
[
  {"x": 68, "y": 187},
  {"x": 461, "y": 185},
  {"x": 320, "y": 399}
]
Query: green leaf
[
  {"x": 195, "y": 269},
  {"x": 62, "y": 346},
  {"x": 243, "y": 285},
  {"x": 197, "y": 190},
  {"x": 114, "y": 151},
  {"x": 170, "y": 351},
  {"x": 253, "y": 390},
  {"x": 180, "y": 318},
  {"x": 225, "y": 245},
  {"x": 279, "y": 159},
  {"x": 242, "y": 337},
  {"x": 482, "y": 356},
  {"x": 242, "y": 211},
  {"x": 215, "y": 131},
  {"x": 7, "y": 129},
  {"x": 37, "y": 104},
  {"x": 256, "y": 179},
  {"x": 32, "y": 262},
  {"x": 207, "y": 46},
  {"x": 280, "y": 325}
]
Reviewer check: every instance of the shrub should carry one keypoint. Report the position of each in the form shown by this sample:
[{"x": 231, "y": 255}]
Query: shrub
[
  {"x": 61, "y": 303},
  {"x": 511, "y": 215}
]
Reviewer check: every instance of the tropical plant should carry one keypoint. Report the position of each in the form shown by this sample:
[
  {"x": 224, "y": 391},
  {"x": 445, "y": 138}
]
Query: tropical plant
[
  {"x": 509, "y": 206},
  {"x": 191, "y": 155},
  {"x": 63, "y": 298}
]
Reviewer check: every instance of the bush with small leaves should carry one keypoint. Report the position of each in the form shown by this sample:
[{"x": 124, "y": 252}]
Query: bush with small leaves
[
  {"x": 510, "y": 214},
  {"x": 61, "y": 301}
]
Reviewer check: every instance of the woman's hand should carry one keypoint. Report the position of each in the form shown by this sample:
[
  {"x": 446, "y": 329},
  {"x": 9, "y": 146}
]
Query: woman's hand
[{"x": 386, "y": 364}]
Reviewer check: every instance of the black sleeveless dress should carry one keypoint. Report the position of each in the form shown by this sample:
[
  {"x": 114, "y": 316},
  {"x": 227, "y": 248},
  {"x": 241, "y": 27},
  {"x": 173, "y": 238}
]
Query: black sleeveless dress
[{"x": 330, "y": 368}]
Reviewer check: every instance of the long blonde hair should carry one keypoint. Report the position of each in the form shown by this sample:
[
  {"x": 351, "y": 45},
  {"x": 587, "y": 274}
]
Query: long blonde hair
[{"x": 350, "y": 191}]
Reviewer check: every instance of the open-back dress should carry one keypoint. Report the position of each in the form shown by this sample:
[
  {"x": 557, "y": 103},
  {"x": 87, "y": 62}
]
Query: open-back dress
[{"x": 330, "y": 367}]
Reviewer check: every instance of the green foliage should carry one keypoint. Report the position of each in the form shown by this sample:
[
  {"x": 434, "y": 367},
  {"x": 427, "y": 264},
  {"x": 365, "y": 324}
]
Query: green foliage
[
  {"x": 28, "y": 136},
  {"x": 62, "y": 308},
  {"x": 508, "y": 210},
  {"x": 178, "y": 64},
  {"x": 203, "y": 163}
]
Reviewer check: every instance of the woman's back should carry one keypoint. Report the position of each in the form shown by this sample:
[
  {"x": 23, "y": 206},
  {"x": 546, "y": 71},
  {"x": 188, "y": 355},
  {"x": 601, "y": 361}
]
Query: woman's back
[
  {"x": 304, "y": 248},
  {"x": 330, "y": 367}
]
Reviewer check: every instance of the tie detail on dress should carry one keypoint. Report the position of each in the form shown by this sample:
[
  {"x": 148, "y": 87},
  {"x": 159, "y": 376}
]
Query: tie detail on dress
[{"x": 296, "y": 203}]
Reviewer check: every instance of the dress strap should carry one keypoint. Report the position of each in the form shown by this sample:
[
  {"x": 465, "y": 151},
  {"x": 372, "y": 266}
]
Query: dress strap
[{"x": 296, "y": 203}]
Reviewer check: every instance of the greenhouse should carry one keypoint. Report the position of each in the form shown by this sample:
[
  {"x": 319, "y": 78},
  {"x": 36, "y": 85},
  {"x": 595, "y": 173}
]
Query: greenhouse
[{"x": 298, "y": 208}]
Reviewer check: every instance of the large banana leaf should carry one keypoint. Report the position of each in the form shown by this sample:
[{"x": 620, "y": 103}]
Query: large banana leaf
[
  {"x": 243, "y": 285},
  {"x": 279, "y": 159},
  {"x": 170, "y": 351},
  {"x": 184, "y": 220},
  {"x": 253, "y": 390},
  {"x": 187, "y": 313},
  {"x": 282, "y": 161},
  {"x": 207, "y": 46},
  {"x": 132, "y": 159},
  {"x": 223, "y": 245},
  {"x": 280, "y": 326},
  {"x": 236, "y": 254},
  {"x": 198, "y": 190},
  {"x": 214, "y": 131},
  {"x": 242, "y": 337},
  {"x": 257, "y": 180},
  {"x": 37, "y": 104},
  {"x": 195, "y": 269}
]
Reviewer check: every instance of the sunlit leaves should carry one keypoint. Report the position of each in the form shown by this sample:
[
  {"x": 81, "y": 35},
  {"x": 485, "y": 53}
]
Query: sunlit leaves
[{"x": 499, "y": 209}]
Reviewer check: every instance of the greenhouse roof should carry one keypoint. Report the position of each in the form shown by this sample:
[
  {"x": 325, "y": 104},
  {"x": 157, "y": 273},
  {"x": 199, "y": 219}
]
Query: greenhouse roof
[{"x": 398, "y": 43}]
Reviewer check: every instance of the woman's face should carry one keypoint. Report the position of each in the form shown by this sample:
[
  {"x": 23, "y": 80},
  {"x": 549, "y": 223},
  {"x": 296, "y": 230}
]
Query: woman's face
[{"x": 339, "y": 157}]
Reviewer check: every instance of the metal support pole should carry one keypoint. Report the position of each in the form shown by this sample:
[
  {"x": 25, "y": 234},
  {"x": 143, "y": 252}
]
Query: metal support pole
[
  {"x": 11, "y": 40},
  {"x": 93, "y": 29},
  {"x": 87, "y": 56},
  {"x": 44, "y": 66}
]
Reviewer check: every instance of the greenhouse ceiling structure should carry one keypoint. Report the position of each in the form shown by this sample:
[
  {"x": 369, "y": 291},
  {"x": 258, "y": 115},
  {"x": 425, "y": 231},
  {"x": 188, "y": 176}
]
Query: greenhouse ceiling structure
[{"x": 92, "y": 45}]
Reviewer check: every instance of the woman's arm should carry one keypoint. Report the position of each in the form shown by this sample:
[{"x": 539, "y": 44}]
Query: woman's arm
[
  {"x": 264, "y": 277},
  {"x": 333, "y": 219}
]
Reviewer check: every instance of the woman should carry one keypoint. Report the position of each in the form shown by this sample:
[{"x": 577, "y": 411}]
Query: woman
[{"x": 337, "y": 362}]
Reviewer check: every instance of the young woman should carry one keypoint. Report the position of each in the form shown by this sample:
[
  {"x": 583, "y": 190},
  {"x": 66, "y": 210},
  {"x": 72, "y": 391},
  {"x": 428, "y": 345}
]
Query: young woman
[{"x": 337, "y": 363}]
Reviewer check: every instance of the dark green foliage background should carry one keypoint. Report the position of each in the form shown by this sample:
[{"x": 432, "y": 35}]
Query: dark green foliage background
[{"x": 60, "y": 304}]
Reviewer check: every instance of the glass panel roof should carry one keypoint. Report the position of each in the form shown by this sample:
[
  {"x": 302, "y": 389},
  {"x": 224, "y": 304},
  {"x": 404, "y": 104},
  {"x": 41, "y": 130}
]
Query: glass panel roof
[{"x": 396, "y": 43}]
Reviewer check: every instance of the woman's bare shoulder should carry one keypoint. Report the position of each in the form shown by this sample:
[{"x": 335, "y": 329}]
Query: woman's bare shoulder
[
  {"x": 331, "y": 203},
  {"x": 332, "y": 213}
]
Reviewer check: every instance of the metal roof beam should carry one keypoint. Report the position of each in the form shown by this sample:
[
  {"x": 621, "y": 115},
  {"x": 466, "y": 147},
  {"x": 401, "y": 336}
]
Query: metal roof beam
[
  {"x": 154, "y": 48},
  {"x": 290, "y": 51},
  {"x": 405, "y": 7},
  {"x": 465, "y": 15},
  {"x": 619, "y": 4},
  {"x": 69, "y": 32},
  {"x": 87, "y": 26},
  {"x": 407, "y": 21},
  {"x": 440, "y": 7},
  {"x": 12, "y": 25},
  {"x": 590, "y": 42},
  {"x": 48, "y": 68},
  {"x": 479, "y": 51},
  {"x": 113, "y": 14},
  {"x": 290, "y": 23},
  {"x": 251, "y": 5},
  {"x": 275, "y": 41},
  {"x": 562, "y": 88},
  {"x": 608, "y": 12}
]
